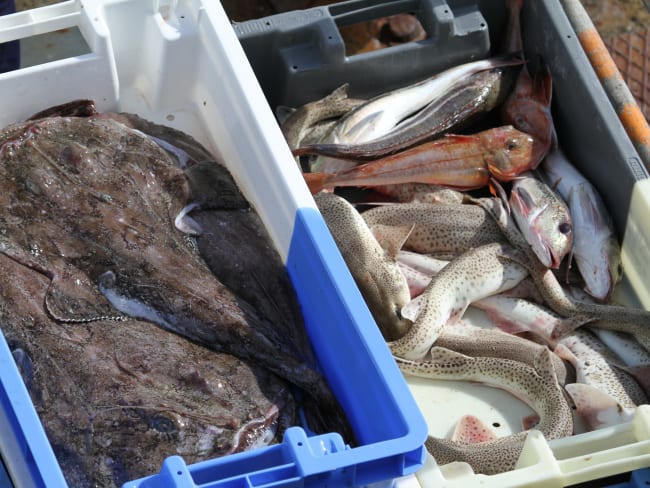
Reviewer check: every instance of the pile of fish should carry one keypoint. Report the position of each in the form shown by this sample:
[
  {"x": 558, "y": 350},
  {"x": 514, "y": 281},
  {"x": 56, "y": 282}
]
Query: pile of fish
[
  {"x": 428, "y": 247},
  {"x": 143, "y": 301}
]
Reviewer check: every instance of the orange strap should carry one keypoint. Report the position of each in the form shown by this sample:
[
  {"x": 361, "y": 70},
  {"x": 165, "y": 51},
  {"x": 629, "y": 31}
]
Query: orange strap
[{"x": 628, "y": 111}]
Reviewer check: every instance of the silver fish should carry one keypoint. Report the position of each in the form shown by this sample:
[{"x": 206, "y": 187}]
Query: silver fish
[
  {"x": 543, "y": 218},
  {"x": 596, "y": 249},
  {"x": 299, "y": 122},
  {"x": 478, "y": 93},
  {"x": 381, "y": 114}
]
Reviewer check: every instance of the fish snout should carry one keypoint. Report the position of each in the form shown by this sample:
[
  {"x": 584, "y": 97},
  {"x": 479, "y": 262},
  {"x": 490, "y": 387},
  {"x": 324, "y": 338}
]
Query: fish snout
[{"x": 512, "y": 158}]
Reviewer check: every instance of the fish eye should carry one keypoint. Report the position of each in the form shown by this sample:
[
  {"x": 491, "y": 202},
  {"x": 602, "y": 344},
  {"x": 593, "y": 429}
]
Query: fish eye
[
  {"x": 564, "y": 227},
  {"x": 521, "y": 122},
  {"x": 511, "y": 144}
]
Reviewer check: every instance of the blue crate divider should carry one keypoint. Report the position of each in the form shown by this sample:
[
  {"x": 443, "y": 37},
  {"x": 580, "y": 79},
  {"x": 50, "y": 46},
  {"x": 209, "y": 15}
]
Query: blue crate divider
[
  {"x": 5, "y": 482},
  {"x": 23, "y": 444},
  {"x": 639, "y": 479}
]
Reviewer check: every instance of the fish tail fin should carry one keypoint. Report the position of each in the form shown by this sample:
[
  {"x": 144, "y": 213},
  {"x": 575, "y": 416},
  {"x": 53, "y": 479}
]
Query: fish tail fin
[
  {"x": 597, "y": 408},
  {"x": 316, "y": 182},
  {"x": 543, "y": 84},
  {"x": 472, "y": 430}
]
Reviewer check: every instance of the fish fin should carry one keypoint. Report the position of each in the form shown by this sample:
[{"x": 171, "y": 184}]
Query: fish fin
[
  {"x": 497, "y": 190},
  {"x": 316, "y": 181},
  {"x": 597, "y": 408},
  {"x": 458, "y": 138},
  {"x": 442, "y": 354},
  {"x": 565, "y": 353},
  {"x": 412, "y": 309},
  {"x": 282, "y": 113},
  {"x": 543, "y": 84},
  {"x": 391, "y": 237},
  {"x": 543, "y": 364},
  {"x": 185, "y": 223},
  {"x": 73, "y": 297},
  {"x": 530, "y": 421},
  {"x": 472, "y": 430}
]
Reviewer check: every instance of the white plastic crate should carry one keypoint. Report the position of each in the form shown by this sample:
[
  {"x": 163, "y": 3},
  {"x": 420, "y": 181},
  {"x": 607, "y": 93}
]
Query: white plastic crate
[{"x": 179, "y": 63}]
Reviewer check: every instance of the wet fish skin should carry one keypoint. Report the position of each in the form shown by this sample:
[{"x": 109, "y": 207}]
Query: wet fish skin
[
  {"x": 85, "y": 198},
  {"x": 117, "y": 399},
  {"x": 460, "y": 162},
  {"x": 543, "y": 218},
  {"x": 611, "y": 317},
  {"x": 296, "y": 126},
  {"x": 375, "y": 272},
  {"x": 595, "y": 365},
  {"x": 440, "y": 229},
  {"x": 528, "y": 108},
  {"x": 596, "y": 249},
  {"x": 536, "y": 386},
  {"x": 473, "y": 275},
  {"x": 477, "y": 94},
  {"x": 237, "y": 249},
  {"x": 382, "y": 113},
  {"x": 420, "y": 193}
]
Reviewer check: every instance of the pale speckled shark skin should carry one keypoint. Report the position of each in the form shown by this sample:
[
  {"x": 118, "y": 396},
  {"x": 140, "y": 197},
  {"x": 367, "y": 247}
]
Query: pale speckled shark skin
[
  {"x": 375, "y": 272},
  {"x": 596, "y": 366},
  {"x": 443, "y": 229},
  {"x": 478, "y": 273},
  {"x": 537, "y": 386},
  {"x": 634, "y": 321}
]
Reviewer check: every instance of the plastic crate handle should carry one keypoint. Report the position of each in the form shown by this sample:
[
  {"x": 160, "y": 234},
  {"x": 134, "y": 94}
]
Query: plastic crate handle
[
  {"x": 61, "y": 77},
  {"x": 300, "y": 56}
]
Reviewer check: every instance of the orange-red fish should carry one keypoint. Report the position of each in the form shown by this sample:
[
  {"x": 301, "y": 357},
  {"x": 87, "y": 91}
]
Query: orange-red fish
[
  {"x": 455, "y": 161},
  {"x": 528, "y": 108}
]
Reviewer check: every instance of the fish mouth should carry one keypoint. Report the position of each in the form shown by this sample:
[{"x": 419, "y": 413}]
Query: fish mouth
[{"x": 553, "y": 258}]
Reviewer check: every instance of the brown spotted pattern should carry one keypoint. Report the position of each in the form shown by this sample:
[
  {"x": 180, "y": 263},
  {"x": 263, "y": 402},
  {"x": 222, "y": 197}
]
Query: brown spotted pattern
[
  {"x": 439, "y": 228},
  {"x": 478, "y": 273},
  {"x": 537, "y": 386}
]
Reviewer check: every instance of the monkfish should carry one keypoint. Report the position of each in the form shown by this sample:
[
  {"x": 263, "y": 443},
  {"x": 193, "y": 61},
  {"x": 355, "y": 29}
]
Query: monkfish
[
  {"x": 91, "y": 204},
  {"x": 116, "y": 399}
]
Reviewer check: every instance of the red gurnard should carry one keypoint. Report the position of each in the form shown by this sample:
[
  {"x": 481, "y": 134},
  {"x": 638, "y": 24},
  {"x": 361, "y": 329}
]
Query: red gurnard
[
  {"x": 455, "y": 161},
  {"x": 528, "y": 108}
]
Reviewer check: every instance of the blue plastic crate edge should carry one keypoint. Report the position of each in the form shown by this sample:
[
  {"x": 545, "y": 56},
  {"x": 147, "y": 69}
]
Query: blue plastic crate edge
[
  {"x": 356, "y": 362},
  {"x": 23, "y": 443}
]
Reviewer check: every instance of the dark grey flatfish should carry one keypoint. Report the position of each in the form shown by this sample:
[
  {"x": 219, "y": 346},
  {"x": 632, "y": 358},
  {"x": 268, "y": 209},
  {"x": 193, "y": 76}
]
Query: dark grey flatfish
[
  {"x": 237, "y": 248},
  {"x": 117, "y": 399},
  {"x": 90, "y": 203}
]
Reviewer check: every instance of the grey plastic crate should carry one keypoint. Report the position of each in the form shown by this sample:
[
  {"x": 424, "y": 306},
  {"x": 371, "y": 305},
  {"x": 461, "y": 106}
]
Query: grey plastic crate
[{"x": 300, "y": 56}]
